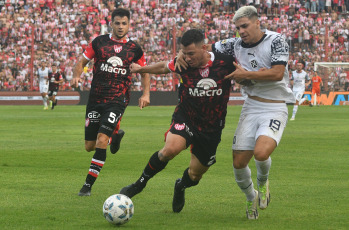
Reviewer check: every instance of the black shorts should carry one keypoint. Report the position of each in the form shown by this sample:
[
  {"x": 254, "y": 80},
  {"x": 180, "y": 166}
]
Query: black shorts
[
  {"x": 52, "y": 92},
  {"x": 102, "y": 118},
  {"x": 203, "y": 145}
]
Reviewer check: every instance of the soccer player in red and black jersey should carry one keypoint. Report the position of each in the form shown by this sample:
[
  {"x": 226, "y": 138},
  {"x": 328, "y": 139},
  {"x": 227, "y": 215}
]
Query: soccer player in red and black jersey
[
  {"x": 55, "y": 78},
  {"x": 109, "y": 96},
  {"x": 198, "y": 119}
]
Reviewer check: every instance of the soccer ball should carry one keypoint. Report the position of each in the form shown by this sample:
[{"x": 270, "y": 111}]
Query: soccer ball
[{"x": 118, "y": 209}]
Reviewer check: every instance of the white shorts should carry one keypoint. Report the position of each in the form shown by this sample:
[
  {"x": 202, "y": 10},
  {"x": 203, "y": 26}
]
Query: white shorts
[
  {"x": 43, "y": 88},
  {"x": 298, "y": 94},
  {"x": 259, "y": 118}
]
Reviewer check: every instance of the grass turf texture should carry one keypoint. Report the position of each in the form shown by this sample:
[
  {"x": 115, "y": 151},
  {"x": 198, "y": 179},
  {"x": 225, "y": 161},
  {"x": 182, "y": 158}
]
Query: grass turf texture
[{"x": 43, "y": 165}]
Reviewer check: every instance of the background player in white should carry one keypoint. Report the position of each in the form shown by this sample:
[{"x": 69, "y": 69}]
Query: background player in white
[
  {"x": 43, "y": 72},
  {"x": 262, "y": 58},
  {"x": 299, "y": 81}
]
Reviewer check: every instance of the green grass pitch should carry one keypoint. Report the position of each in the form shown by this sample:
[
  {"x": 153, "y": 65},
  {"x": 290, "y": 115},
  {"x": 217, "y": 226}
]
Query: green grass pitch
[{"x": 43, "y": 165}]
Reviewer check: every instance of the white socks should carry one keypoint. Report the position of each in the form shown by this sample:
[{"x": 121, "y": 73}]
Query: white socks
[
  {"x": 244, "y": 181},
  {"x": 295, "y": 108},
  {"x": 263, "y": 168},
  {"x": 45, "y": 100},
  {"x": 302, "y": 100}
]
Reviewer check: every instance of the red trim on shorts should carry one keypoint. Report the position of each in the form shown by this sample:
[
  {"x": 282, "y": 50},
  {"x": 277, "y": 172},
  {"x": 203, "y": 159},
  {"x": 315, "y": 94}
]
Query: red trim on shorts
[
  {"x": 116, "y": 130},
  {"x": 168, "y": 131}
]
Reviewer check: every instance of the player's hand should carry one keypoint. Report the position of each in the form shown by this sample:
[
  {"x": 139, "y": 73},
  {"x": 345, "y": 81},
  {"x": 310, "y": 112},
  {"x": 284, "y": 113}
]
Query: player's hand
[
  {"x": 134, "y": 68},
  {"x": 75, "y": 82},
  {"x": 144, "y": 101},
  {"x": 263, "y": 69},
  {"x": 238, "y": 75},
  {"x": 180, "y": 62}
]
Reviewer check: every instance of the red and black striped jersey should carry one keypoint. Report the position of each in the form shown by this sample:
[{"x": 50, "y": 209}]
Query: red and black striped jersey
[
  {"x": 52, "y": 77},
  {"x": 205, "y": 93},
  {"x": 111, "y": 73}
]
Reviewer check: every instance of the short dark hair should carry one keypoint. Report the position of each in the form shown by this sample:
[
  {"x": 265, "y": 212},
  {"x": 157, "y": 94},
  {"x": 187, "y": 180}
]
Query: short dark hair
[
  {"x": 121, "y": 12},
  {"x": 192, "y": 36}
]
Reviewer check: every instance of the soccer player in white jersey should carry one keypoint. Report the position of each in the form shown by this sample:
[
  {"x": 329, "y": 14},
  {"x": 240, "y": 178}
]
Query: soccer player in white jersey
[
  {"x": 299, "y": 81},
  {"x": 262, "y": 58},
  {"x": 43, "y": 72}
]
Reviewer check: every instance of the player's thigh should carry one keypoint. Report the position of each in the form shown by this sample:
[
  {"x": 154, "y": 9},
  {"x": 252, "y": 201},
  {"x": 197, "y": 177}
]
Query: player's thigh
[
  {"x": 298, "y": 95},
  {"x": 177, "y": 138},
  {"x": 265, "y": 146},
  {"x": 204, "y": 146},
  {"x": 43, "y": 88},
  {"x": 270, "y": 130},
  {"x": 244, "y": 137},
  {"x": 92, "y": 121},
  {"x": 174, "y": 144},
  {"x": 110, "y": 117},
  {"x": 196, "y": 169}
]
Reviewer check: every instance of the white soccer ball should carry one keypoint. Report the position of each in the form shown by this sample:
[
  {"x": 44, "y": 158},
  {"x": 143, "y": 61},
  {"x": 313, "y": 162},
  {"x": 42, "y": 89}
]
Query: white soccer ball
[{"x": 118, "y": 209}]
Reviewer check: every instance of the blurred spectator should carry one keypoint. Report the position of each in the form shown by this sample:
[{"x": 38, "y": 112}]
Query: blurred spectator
[{"x": 63, "y": 28}]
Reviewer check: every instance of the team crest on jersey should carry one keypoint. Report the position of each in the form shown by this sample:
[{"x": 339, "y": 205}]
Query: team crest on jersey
[
  {"x": 254, "y": 64},
  {"x": 117, "y": 48},
  {"x": 204, "y": 72}
]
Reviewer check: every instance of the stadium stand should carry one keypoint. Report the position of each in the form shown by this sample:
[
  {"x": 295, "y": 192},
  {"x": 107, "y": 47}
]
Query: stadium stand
[{"x": 60, "y": 29}]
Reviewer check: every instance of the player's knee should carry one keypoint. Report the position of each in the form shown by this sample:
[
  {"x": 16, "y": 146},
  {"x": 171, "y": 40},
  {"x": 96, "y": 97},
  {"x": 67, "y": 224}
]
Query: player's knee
[
  {"x": 239, "y": 164},
  {"x": 90, "y": 147},
  {"x": 168, "y": 153},
  {"x": 240, "y": 160},
  {"x": 195, "y": 176},
  {"x": 261, "y": 154}
]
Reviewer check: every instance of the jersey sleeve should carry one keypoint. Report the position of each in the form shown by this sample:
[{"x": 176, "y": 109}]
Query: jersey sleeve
[
  {"x": 225, "y": 46},
  {"x": 142, "y": 61},
  {"x": 307, "y": 77},
  {"x": 139, "y": 56},
  {"x": 171, "y": 65},
  {"x": 292, "y": 77},
  {"x": 279, "y": 51},
  {"x": 89, "y": 52}
]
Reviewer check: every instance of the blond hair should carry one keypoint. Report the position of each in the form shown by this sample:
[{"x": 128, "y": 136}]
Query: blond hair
[{"x": 245, "y": 12}]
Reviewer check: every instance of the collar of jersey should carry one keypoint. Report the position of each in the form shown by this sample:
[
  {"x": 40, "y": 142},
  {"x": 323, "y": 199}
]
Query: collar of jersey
[
  {"x": 244, "y": 45},
  {"x": 209, "y": 63},
  {"x": 120, "y": 41}
]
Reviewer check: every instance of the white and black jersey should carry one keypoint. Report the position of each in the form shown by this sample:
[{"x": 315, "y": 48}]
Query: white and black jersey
[
  {"x": 299, "y": 80},
  {"x": 271, "y": 50},
  {"x": 43, "y": 75}
]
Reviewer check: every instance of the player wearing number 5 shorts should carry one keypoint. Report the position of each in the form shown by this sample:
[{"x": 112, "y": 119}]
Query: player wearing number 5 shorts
[
  {"x": 262, "y": 56},
  {"x": 109, "y": 96}
]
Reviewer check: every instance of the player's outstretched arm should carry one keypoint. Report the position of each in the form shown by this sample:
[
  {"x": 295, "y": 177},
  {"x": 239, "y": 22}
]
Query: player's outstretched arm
[
  {"x": 144, "y": 100},
  {"x": 157, "y": 68},
  {"x": 275, "y": 73},
  {"x": 79, "y": 67}
]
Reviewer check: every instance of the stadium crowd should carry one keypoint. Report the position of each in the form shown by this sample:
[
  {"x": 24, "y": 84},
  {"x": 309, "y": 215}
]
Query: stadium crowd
[{"x": 62, "y": 28}]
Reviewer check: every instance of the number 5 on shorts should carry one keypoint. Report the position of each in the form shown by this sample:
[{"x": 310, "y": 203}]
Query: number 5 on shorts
[{"x": 112, "y": 117}]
